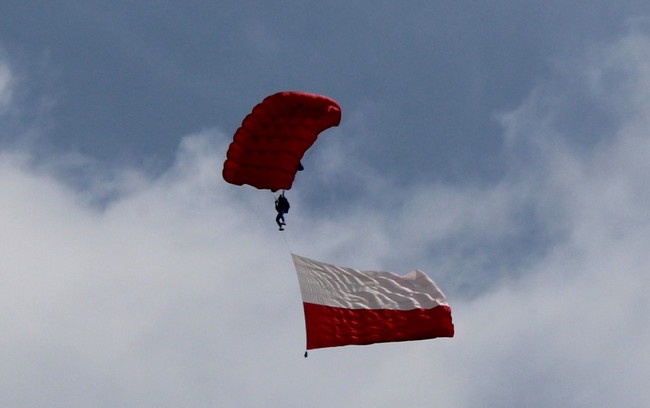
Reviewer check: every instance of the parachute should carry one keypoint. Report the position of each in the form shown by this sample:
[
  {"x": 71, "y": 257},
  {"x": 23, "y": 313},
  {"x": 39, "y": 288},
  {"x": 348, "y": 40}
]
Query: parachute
[{"x": 267, "y": 149}]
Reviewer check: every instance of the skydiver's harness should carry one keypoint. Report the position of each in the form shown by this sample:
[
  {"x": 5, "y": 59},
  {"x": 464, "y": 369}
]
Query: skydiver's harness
[{"x": 282, "y": 204}]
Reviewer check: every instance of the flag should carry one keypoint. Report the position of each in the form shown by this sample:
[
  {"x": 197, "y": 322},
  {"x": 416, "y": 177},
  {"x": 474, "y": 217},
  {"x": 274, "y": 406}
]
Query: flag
[{"x": 345, "y": 306}]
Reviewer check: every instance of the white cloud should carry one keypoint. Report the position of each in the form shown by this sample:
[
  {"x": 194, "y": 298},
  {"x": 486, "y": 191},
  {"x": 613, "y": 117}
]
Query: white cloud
[
  {"x": 568, "y": 326},
  {"x": 573, "y": 330},
  {"x": 179, "y": 291}
]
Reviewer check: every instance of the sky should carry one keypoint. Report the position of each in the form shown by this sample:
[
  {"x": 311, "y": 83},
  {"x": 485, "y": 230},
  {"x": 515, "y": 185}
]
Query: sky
[{"x": 501, "y": 147}]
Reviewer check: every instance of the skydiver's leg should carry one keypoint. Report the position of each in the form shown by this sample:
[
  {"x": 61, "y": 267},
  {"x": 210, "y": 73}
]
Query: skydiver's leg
[{"x": 279, "y": 219}]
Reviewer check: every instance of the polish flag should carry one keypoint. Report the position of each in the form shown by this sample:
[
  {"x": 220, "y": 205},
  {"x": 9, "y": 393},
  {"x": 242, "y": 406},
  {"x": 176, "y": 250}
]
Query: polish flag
[{"x": 345, "y": 306}]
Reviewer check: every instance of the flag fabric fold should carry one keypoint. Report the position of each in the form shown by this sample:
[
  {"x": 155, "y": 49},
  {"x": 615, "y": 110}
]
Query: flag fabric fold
[{"x": 345, "y": 306}]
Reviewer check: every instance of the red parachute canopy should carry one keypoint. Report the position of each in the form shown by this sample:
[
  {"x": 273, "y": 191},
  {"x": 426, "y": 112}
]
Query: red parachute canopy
[{"x": 267, "y": 148}]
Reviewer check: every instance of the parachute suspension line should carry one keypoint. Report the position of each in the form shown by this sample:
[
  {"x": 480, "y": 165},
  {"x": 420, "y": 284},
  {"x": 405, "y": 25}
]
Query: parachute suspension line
[
  {"x": 308, "y": 154},
  {"x": 286, "y": 242}
]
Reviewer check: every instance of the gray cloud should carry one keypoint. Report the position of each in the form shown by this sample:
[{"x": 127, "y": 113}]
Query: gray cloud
[
  {"x": 128, "y": 289},
  {"x": 5, "y": 86}
]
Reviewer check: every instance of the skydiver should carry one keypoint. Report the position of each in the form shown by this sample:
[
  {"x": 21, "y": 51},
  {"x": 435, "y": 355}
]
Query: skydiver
[{"x": 282, "y": 207}]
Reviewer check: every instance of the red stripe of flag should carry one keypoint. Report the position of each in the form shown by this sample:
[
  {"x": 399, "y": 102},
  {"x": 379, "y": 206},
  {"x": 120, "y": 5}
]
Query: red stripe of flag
[{"x": 328, "y": 326}]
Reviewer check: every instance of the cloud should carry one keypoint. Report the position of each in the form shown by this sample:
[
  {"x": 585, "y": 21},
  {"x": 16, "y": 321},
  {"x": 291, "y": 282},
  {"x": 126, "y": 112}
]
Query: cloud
[
  {"x": 5, "y": 86},
  {"x": 547, "y": 267},
  {"x": 572, "y": 329},
  {"x": 129, "y": 289},
  {"x": 104, "y": 297}
]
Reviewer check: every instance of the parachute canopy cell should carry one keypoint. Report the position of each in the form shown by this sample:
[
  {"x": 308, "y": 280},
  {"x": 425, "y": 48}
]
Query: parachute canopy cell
[{"x": 267, "y": 148}]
